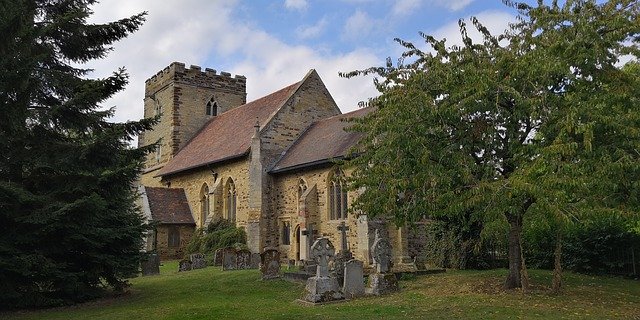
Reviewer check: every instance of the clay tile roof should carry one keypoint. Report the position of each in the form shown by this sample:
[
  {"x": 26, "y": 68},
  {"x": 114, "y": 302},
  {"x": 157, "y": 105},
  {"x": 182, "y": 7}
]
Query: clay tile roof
[
  {"x": 321, "y": 142},
  {"x": 227, "y": 135},
  {"x": 169, "y": 205}
]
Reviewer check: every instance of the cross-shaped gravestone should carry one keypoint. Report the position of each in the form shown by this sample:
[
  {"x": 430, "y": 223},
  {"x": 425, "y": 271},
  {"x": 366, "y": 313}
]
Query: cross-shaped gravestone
[
  {"x": 321, "y": 251},
  {"x": 343, "y": 230},
  {"x": 381, "y": 250}
]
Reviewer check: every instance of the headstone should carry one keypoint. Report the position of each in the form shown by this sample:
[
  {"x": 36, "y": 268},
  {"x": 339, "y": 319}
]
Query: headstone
[
  {"x": 343, "y": 239},
  {"x": 229, "y": 257},
  {"x": 322, "y": 287},
  {"x": 198, "y": 261},
  {"x": 270, "y": 264},
  {"x": 353, "y": 285},
  {"x": 217, "y": 257},
  {"x": 243, "y": 259},
  {"x": 184, "y": 265},
  {"x": 255, "y": 261},
  {"x": 382, "y": 281},
  {"x": 150, "y": 265}
]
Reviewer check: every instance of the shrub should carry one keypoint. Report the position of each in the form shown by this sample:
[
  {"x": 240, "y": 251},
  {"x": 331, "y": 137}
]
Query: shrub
[{"x": 220, "y": 233}]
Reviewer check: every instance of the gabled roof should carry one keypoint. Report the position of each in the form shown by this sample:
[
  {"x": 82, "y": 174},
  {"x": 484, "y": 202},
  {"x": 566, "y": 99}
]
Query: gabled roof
[
  {"x": 169, "y": 205},
  {"x": 228, "y": 135},
  {"x": 321, "y": 142}
]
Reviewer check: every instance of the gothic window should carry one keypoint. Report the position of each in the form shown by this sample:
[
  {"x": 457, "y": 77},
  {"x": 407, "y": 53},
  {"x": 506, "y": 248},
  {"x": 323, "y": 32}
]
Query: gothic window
[
  {"x": 231, "y": 200},
  {"x": 204, "y": 204},
  {"x": 173, "y": 234},
  {"x": 338, "y": 200},
  {"x": 212, "y": 107},
  {"x": 286, "y": 233}
]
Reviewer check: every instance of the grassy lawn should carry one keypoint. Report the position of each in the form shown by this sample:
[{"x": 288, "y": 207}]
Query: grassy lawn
[{"x": 212, "y": 294}]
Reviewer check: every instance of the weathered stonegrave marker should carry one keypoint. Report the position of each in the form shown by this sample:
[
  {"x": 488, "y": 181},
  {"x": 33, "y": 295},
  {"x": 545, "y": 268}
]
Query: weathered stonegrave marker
[
  {"x": 184, "y": 265},
  {"x": 353, "y": 285},
  {"x": 382, "y": 281},
  {"x": 343, "y": 255},
  {"x": 217, "y": 257},
  {"x": 198, "y": 261},
  {"x": 150, "y": 265},
  {"x": 243, "y": 259},
  {"x": 229, "y": 257},
  {"x": 270, "y": 264},
  {"x": 322, "y": 287}
]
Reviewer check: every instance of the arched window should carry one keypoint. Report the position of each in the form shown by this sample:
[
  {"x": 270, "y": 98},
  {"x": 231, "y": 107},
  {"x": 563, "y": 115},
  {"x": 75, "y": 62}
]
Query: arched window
[
  {"x": 158, "y": 107},
  {"x": 212, "y": 107},
  {"x": 286, "y": 233},
  {"x": 231, "y": 200},
  {"x": 204, "y": 203},
  {"x": 338, "y": 200}
]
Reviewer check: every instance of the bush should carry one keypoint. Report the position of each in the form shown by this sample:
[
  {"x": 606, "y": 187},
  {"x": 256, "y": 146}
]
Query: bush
[
  {"x": 220, "y": 233},
  {"x": 597, "y": 244}
]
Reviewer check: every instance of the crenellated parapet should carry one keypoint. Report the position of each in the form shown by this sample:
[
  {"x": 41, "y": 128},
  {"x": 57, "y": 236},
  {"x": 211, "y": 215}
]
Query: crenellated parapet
[{"x": 177, "y": 73}]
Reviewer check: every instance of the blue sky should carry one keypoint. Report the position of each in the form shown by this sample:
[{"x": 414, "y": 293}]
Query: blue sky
[{"x": 275, "y": 43}]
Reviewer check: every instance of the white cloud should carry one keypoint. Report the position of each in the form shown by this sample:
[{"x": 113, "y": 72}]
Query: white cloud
[
  {"x": 296, "y": 4},
  {"x": 404, "y": 7},
  {"x": 312, "y": 31},
  {"x": 359, "y": 24},
  {"x": 176, "y": 32}
]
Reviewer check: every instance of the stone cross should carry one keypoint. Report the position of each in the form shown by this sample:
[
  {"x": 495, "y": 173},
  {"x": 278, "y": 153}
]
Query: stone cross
[
  {"x": 321, "y": 251},
  {"x": 381, "y": 252},
  {"x": 343, "y": 230}
]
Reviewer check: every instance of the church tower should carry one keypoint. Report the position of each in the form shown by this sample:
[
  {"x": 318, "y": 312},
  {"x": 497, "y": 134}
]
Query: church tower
[{"x": 185, "y": 99}]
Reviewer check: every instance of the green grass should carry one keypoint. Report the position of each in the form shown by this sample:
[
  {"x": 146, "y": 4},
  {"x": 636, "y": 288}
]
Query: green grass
[{"x": 212, "y": 294}]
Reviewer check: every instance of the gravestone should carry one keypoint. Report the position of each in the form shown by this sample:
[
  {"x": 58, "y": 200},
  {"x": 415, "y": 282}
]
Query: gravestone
[
  {"x": 270, "y": 264},
  {"x": 184, "y": 265},
  {"x": 353, "y": 285},
  {"x": 150, "y": 265},
  {"x": 343, "y": 256},
  {"x": 217, "y": 257},
  {"x": 198, "y": 261},
  {"x": 255, "y": 261},
  {"x": 229, "y": 257},
  {"x": 382, "y": 281},
  {"x": 243, "y": 259},
  {"x": 322, "y": 287}
]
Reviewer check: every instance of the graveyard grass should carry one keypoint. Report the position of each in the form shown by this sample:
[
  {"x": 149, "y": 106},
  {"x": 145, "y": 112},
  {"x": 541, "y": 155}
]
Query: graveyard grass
[{"x": 212, "y": 294}]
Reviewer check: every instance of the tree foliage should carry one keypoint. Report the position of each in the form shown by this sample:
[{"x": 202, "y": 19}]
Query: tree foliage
[
  {"x": 68, "y": 221},
  {"x": 539, "y": 118}
]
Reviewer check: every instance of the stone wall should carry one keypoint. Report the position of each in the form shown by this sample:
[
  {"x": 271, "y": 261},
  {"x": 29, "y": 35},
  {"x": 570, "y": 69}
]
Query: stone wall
[
  {"x": 162, "y": 244},
  {"x": 192, "y": 182},
  {"x": 183, "y": 95},
  {"x": 286, "y": 206}
]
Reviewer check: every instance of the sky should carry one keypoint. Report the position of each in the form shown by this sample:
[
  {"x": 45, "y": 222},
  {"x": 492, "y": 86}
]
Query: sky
[{"x": 274, "y": 43}]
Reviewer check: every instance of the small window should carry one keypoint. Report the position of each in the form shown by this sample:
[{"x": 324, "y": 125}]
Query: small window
[
  {"x": 174, "y": 237},
  {"x": 204, "y": 204},
  {"x": 286, "y": 233},
  {"x": 158, "y": 107},
  {"x": 212, "y": 108},
  {"x": 338, "y": 200},
  {"x": 231, "y": 200}
]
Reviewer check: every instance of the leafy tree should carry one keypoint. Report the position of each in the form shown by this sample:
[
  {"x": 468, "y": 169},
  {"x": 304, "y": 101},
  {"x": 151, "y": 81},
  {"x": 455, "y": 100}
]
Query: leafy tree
[
  {"x": 69, "y": 225},
  {"x": 538, "y": 118}
]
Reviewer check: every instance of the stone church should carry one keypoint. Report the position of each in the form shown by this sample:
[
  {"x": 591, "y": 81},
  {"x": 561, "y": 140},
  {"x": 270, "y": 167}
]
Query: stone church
[{"x": 268, "y": 165}]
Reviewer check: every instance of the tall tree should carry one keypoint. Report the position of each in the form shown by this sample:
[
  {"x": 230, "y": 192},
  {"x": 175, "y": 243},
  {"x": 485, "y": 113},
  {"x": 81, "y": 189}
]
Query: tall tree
[
  {"x": 537, "y": 118},
  {"x": 68, "y": 220}
]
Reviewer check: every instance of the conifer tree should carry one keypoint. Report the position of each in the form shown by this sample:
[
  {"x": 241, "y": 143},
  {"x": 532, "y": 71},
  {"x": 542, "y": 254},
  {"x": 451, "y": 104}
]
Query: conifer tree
[
  {"x": 69, "y": 226},
  {"x": 540, "y": 117}
]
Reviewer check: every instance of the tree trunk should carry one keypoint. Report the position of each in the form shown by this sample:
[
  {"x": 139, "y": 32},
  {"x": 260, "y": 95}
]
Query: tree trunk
[
  {"x": 524, "y": 275},
  {"x": 557, "y": 266},
  {"x": 514, "y": 279}
]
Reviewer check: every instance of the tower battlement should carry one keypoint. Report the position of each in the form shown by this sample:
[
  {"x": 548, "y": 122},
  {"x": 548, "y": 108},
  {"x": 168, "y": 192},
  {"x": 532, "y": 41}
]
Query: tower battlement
[{"x": 209, "y": 78}]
